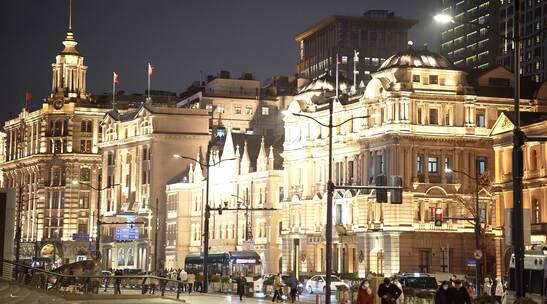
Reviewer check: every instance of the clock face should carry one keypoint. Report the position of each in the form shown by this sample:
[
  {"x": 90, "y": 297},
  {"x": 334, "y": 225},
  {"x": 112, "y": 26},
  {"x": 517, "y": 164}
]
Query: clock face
[{"x": 58, "y": 104}]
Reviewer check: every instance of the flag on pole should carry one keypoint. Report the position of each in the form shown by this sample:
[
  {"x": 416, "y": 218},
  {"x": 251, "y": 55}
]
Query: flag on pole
[
  {"x": 116, "y": 78},
  {"x": 28, "y": 96},
  {"x": 150, "y": 69}
]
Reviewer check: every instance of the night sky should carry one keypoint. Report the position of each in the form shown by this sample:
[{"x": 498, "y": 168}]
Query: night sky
[{"x": 179, "y": 38}]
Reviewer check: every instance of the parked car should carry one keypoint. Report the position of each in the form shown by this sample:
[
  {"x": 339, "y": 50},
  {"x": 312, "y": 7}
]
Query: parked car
[
  {"x": 419, "y": 281},
  {"x": 317, "y": 283}
]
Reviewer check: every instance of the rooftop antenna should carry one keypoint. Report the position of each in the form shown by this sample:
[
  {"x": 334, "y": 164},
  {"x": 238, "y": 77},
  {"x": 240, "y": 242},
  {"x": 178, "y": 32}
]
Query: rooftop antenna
[{"x": 70, "y": 15}]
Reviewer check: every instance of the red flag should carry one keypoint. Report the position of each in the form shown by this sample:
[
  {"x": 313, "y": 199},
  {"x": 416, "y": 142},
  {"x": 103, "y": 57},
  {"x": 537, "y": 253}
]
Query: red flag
[
  {"x": 28, "y": 96},
  {"x": 150, "y": 69},
  {"x": 116, "y": 78}
]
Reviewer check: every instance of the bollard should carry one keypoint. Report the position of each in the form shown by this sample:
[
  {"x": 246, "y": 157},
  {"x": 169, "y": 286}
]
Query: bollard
[{"x": 317, "y": 299}]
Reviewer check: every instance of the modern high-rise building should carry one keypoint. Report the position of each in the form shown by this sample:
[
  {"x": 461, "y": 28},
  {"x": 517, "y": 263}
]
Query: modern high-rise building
[
  {"x": 52, "y": 160},
  {"x": 465, "y": 42},
  {"x": 374, "y": 35},
  {"x": 533, "y": 22}
]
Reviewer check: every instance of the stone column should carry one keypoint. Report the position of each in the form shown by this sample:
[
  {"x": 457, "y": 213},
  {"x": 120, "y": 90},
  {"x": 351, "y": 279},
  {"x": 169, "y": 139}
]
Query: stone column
[{"x": 365, "y": 167}]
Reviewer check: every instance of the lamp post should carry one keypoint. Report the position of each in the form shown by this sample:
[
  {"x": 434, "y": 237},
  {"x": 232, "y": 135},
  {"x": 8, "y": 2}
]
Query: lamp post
[
  {"x": 477, "y": 224},
  {"x": 98, "y": 207},
  {"x": 518, "y": 142},
  {"x": 207, "y": 214},
  {"x": 330, "y": 187}
]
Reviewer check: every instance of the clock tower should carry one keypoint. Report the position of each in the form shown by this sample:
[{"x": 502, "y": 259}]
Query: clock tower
[{"x": 68, "y": 71}]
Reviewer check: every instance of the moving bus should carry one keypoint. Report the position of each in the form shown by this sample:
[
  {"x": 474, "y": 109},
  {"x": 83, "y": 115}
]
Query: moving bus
[
  {"x": 535, "y": 273},
  {"x": 225, "y": 263}
]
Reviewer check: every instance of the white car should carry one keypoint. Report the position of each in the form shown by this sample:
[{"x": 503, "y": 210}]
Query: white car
[{"x": 317, "y": 283}]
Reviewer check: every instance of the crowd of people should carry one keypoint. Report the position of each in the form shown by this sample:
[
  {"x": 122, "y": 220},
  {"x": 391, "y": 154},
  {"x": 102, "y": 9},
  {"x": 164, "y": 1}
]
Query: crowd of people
[{"x": 453, "y": 291}]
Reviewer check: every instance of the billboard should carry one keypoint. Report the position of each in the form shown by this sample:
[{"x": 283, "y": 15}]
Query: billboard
[{"x": 127, "y": 234}]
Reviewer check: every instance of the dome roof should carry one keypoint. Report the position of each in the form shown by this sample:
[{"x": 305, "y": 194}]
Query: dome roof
[
  {"x": 417, "y": 59},
  {"x": 325, "y": 82}
]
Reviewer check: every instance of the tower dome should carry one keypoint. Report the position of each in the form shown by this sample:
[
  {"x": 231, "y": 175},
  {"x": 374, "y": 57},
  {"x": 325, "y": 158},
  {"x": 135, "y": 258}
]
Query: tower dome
[{"x": 417, "y": 59}]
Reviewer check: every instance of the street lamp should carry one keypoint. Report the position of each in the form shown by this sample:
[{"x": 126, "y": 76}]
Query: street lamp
[
  {"x": 330, "y": 186},
  {"x": 518, "y": 142},
  {"x": 207, "y": 212},
  {"x": 476, "y": 219},
  {"x": 98, "y": 224}
]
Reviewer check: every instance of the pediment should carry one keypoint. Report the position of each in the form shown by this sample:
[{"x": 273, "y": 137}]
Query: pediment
[{"x": 502, "y": 125}]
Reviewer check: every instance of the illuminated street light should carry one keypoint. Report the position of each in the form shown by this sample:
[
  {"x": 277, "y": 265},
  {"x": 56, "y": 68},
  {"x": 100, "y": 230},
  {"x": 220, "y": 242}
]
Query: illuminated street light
[{"x": 443, "y": 18}]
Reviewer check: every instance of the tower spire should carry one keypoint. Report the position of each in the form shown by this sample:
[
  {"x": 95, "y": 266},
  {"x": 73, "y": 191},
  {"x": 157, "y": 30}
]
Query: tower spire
[{"x": 69, "y": 15}]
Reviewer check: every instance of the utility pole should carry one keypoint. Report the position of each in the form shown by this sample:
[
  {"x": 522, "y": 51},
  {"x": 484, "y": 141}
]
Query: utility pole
[
  {"x": 18, "y": 231},
  {"x": 518, "y": 141},
  {"x": 206, "y": 226},
  {"x": 156, "y": 238}
]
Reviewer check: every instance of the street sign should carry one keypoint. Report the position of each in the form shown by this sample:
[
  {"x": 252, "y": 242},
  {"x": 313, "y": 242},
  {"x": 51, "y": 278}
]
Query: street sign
[
  {"x": 471, "y": 263},
  {"x": 80, "y": 237},
  {"x": 477, "y": 254}
]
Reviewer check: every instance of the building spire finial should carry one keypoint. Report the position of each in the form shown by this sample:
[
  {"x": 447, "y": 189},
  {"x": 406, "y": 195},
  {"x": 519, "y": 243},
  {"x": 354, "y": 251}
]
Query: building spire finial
[{"x": 70, "y": 15}]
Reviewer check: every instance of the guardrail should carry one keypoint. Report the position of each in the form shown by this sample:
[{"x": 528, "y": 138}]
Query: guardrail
[{"x": 88, "y": 284}]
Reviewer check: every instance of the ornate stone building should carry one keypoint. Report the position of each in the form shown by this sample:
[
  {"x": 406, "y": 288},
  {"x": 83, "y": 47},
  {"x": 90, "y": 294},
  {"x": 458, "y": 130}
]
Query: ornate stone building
[
  {"x": 423, "y": 117},
  {"x": 534, "y": 187},
  {"x": 245, "y": 171},
  {"x": 137, "y": 162},
  {"x": 50, "y": 155}
]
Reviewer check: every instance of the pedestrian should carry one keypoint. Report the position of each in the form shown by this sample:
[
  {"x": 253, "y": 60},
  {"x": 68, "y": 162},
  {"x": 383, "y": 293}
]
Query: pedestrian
[
  {"x": 498, "y": 290},
  {"x": 293, "y": 285},
  {"x": 277, "y": 285},
  {"x": 487, "y": 288},
  {"x": 241, "y": 282},
  {"x": 117, "y": 282},
  {"x": 443, "y": 294},
  {"x": 401, "y": 298},
  {"x": 364, "y": 294},
  {"x": 388, "y": 292},
  {"x": 459, "y": 294},
  {"x": 191, "y": 280}
]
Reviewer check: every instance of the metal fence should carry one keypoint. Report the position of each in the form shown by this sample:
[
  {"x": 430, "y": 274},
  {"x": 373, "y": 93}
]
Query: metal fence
[{"x": 90, "y": 284}]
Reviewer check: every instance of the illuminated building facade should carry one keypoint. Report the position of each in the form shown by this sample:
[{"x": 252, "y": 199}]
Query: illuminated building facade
[
  {"x": 424, "y": 117},
  {"x": 137, "y": 162},
  {"x": 374, "y": 34},
  {"x": 534, "y": 187},
  {"x": 242, "y": 104},
  {"x": 248, "y": 172},
  {"x": 48, "y": 149},
  {"x": 466, "y": 45}
]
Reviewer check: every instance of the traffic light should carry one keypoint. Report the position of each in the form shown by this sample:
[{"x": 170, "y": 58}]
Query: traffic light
[
  {"x": 396, "y": 194},
  {"x": 438, "y": 217},
  {"x": 381, "y": 194}
]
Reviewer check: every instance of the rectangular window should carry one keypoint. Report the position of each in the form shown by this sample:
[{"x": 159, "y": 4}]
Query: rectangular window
[
  {"x": 265, "y": 111},
  {"x": 433, "y": 165},
  {"x": 86, "y": 126},
  {"x": 480, "y": 119},
  {"x": 433, "y": 116},
  {"x": 237, "y": 109},
  {"x": 433, "y": 79},
  {"x": 350, "y": 171},
  {"x": 482, "y": 164},
  {"x": 82, "y": 227},
  {"x": 220, "y": 108},
  {"x": 111, "y": 159},
  {"x": 83, "y": 202},
  {"x": 419, "y": 164},
  {"x": 85, "y": 146},
  {"x": 425, "y": 260},
  {"x": 281, "y": 194},
  {"x": 249, "y": 110},
  {"x": 419, "y": 116},
  {"x": 380, "y": 164},
  {"x": 145, "y": 153},
  {"x": 415, "y": 78}
]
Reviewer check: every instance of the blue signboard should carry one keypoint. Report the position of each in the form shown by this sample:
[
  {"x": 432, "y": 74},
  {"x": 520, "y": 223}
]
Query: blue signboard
[
  {"x": 127, "y": 234},
  {"x": 471, "y": 263},
  {"x": 80, "y": 237}
]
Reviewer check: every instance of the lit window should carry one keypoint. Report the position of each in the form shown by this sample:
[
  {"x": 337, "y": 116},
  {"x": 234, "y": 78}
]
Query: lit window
[
  {"x": 482, "y": 164},
  {"x": 375, "y": 61},
  {"x": 433, "y": 165},
  {"x": 480, "y": 120},
  {"x": 220, "y": 108},
  {"x": 265, "y": 111},
  {"x": 209, "y": 107},
  {"x": 249, "y": 110},
  {"x": 419, "y": 164}
]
